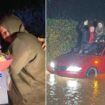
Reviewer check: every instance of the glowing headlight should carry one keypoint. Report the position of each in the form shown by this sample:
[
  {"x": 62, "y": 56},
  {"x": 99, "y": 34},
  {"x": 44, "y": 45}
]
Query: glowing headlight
[
  {"x": 52, "y": 64},
  {"x": 74, "y": 68}
]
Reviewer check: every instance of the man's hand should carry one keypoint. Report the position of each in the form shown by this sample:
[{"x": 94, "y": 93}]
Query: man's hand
[
  {"x": 43, "y": 42},
  {"x": 85, "y": 22}
]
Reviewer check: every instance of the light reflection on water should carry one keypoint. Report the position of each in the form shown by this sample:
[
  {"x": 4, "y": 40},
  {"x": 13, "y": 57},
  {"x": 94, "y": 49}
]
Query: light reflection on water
[
  {"x": 72, "y": 84},
  {"x": 71, "y": 94},
  {"x": 52, "y": 80},
  {"x": 68, "y": 91},
  {"x": 52, "y": 90},
  {"x": 95, "y": 88}
]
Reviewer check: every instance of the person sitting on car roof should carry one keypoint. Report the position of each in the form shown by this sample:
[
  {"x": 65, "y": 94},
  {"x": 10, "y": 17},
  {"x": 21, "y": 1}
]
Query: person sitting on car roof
[{"x": 100, "y": 30}]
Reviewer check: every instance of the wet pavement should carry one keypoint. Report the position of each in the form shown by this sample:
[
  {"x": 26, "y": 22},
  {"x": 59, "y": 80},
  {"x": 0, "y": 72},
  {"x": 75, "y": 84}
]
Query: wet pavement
[{"x": 73, "y": 91}]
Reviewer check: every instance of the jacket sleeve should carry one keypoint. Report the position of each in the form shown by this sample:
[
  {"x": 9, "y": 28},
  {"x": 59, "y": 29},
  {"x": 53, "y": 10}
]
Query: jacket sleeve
[{"x": 21, "y": 56}]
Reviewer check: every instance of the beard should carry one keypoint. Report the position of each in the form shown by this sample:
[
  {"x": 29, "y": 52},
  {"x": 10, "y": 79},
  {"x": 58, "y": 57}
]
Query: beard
[{"x": 9, "y": 39}]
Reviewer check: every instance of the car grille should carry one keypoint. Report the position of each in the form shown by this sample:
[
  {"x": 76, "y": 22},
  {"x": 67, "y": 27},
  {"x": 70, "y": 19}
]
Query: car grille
[{"x": 60, "y": 68}]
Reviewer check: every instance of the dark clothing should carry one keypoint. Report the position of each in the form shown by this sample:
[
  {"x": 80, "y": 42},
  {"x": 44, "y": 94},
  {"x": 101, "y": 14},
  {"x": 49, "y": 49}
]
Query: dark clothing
[
  {"x": 99, "y": 38},
  {"x": 85, "y": 38},
  {"x": 85, "y": 35},
  {"x": 4, "y": 45}
]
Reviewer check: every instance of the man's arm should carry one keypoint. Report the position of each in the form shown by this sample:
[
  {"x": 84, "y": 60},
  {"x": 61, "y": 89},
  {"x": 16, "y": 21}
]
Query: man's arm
[{"x": 22, "y": 54}]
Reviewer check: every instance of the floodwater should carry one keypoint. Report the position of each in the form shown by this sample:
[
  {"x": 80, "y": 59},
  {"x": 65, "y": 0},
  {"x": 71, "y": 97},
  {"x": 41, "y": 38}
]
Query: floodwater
[{"x": 71, "y": 91}]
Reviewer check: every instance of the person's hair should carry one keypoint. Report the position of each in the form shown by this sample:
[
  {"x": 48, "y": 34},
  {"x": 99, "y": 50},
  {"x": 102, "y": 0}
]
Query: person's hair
[{"x": 95, "y": 22}]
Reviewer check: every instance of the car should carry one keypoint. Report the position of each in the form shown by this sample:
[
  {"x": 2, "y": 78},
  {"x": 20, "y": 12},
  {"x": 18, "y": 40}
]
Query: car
[{"x": 79, "y": 65}]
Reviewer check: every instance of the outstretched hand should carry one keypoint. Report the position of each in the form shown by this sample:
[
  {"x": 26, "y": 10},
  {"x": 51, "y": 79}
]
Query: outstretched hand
[{"x": 86, "y": 22}]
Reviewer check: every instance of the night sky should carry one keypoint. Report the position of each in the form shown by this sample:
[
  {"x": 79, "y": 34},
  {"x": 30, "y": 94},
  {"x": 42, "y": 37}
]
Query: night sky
[
  {"x": 31, "y": 12},
  {"x": 76, "y": 9}
]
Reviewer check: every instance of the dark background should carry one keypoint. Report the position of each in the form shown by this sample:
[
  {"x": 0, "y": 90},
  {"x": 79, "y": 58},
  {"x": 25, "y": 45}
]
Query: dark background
[
  {"x": 77, "y": 9},
  {"x": 31, "y": 12}
]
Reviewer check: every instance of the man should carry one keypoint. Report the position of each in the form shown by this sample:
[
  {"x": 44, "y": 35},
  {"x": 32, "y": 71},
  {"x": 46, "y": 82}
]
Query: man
[{"x": 28, "y": 68}]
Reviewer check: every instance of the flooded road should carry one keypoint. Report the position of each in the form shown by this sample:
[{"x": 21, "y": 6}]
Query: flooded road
[{"x": 70, "y": 91}]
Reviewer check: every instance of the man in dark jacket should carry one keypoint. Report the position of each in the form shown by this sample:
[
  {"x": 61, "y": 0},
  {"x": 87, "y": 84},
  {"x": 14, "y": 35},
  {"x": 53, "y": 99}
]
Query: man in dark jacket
[
  {"x": 84, "y": 31},
  {"x": 28, "y": 68}
]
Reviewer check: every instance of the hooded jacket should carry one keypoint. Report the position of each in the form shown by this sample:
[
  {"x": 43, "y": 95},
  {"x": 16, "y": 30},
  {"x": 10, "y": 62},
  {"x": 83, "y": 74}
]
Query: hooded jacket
[{"x": 28, "y": 68}]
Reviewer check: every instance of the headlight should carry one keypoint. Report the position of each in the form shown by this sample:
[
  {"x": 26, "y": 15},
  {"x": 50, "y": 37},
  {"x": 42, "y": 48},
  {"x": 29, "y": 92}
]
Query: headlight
[
  {"x": 52, "y": 64},
  {"x": 74, "y": 68}
]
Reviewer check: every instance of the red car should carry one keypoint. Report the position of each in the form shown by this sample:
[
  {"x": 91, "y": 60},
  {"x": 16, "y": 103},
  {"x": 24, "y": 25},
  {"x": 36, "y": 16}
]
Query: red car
[{"x": 78, "y": 65}]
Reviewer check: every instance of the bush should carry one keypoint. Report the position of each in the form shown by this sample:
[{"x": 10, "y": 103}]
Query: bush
[{"x": 61, "y": 37}]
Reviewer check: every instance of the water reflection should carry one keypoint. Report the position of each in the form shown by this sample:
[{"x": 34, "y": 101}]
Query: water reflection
[
  {"x": 72, "y": 84},
  {"x": 69, "y": 91},
  {"x": 95, "y": 88},
  {"x": 52, "y": 91},
  {"x": 52, "y": 79}
]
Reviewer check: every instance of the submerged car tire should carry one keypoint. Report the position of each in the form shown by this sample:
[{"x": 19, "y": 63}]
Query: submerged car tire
[{"x": 91, "y": 72}]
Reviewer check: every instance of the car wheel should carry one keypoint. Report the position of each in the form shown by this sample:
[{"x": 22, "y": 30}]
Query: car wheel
[{"x": 91, "y": 72}]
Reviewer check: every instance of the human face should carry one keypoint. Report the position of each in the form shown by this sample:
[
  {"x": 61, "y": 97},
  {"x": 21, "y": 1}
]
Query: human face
[
  {"x": 91, "y": 29},
  {"x": 4, "y": 32},
  {"x": 100, "y": 25}
]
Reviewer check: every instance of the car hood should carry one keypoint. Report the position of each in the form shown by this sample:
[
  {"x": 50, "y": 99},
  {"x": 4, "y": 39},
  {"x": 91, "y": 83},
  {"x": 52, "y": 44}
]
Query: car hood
[{"x": 74, "y": 59}]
